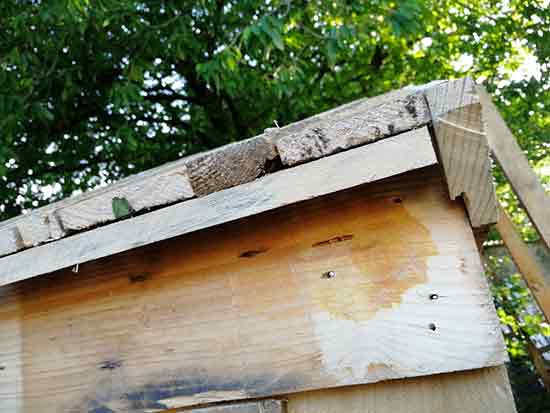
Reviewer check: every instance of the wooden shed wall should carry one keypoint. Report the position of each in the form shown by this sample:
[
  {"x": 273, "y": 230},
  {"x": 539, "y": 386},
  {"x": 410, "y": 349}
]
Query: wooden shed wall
[{"x": 382, "y": 281}]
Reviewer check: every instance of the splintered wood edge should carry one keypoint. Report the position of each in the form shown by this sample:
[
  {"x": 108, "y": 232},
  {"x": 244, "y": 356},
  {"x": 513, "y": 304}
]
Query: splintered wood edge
[
  {"x": 462, "y": 147},
  {"x": 256, "y": 406},
  {"x": 392, "y": 156},
  {"x": 345, "y": 127}
]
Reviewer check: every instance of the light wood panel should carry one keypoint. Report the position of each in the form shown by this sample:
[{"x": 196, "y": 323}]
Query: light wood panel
[
  {"x": 478, "y": 391},
  {"x": 379, "y": 160},
  {"x": 380, "y": 282}
]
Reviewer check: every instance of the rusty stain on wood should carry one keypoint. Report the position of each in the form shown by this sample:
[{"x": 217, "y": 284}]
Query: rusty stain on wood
[
  {"x": 110, "y": 365},
  {"x": 374, "y": 270},
  {"x": 140, "y": 277},
  {"x": 333, "y": 240},
  {"x": 253, "y": 253}
]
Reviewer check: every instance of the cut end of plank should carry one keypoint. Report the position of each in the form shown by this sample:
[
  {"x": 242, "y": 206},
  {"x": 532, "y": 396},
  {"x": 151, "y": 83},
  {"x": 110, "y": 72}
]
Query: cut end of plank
[{"x": 463, "y": 150}]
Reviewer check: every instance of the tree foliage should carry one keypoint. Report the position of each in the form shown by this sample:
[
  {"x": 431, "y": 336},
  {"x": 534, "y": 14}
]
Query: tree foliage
[
  {"x": 91, "y": 91},
  {"x": 94, "y": 90}
]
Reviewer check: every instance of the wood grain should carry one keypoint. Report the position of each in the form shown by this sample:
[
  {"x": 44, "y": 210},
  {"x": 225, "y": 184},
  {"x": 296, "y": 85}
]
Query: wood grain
[
  {"x": 485, "y": 390},
  {"x": 248, "y": 309},
  {"x": 462, "y": 147},
  {"x": 357, "y": 124},
  {"x": 526, "y": 262},
  {"x": 409, "y": 151},
  {"x": 143, "y": 191},
  {"x": 514, "y": 163}
]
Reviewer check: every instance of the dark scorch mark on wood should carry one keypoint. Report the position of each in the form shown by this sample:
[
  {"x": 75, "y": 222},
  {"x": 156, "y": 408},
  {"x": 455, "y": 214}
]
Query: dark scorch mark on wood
[
  {"x": 411, "y": 107},
  {"x": 101, "y": 409},
  {"x": 141, "y": 277},
  {"x": 253, "y": 253},
  {"x": 179, "y": 383},
  {"x": 272, "y": 165},
  {"x": 334, "y": 240},
  {"x": 110, "y": 364}
]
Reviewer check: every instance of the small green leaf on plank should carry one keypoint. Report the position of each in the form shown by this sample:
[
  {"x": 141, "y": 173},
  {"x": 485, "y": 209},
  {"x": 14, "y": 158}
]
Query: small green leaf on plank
[{"x": 121, "y": 207}]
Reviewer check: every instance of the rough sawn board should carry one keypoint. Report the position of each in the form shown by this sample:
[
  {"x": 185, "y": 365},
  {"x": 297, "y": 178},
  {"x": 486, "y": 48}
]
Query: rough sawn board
[{"x": 378, "y": 282}]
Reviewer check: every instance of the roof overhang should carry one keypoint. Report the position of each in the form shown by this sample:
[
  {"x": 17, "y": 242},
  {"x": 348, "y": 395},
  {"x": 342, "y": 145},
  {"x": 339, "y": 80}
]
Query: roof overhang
[{"x": 361, "y": 142}]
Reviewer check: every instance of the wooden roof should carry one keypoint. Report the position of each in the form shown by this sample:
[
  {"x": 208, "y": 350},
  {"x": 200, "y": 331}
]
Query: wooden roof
[{"x": 388, "y": 134}]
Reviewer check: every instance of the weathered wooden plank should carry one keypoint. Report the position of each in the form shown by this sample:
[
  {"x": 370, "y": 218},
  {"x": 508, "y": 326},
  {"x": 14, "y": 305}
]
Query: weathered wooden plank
[
  {"x": 143, "y": 191},
  {"x": 10, "y": 240},
  {"x": 345, "y": 289},
  {"x": 373, "y": 162},
  {"x": 357, "y": 124},
  {"x": 527, "y": 263},
  {"x": 231, "y": 165},
  {"x": 516, "y": 167},
  {"x": 462, "y": 147},
  {"x": 485, "y": 390}
]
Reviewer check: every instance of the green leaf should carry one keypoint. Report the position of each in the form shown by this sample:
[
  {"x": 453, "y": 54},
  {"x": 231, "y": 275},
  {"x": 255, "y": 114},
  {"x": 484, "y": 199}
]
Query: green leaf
[
  {"x": 273, "y": 32},
  {"x": 121, "y": 207}
]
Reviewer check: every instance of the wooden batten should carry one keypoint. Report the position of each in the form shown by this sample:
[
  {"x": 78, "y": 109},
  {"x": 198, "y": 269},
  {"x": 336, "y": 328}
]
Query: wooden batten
[
  {"x": 532, "y": 271},
  {"x": 462, "y": 147},
  {"x": 382, "y": 281}
]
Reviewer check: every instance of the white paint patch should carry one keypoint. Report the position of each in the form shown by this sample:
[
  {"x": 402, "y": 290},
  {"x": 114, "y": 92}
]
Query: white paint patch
[{"x": 398, "y": 341}]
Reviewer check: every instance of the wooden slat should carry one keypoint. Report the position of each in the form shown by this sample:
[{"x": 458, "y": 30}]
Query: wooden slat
[
  {"x": 374, "y": 283},
  {"x": 478, "y": 391},
  {"x": 516, "y": 167},
  {"x": 149, "y": 189},
  {"x": 369, "y": 163},
  {"x": 541, "y": 365},
  {"x": 526, "y": 262},
  {"x": 352, "y": 125},
  {"x": 462, "y": 147}
]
